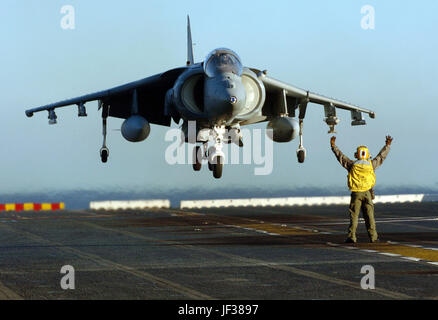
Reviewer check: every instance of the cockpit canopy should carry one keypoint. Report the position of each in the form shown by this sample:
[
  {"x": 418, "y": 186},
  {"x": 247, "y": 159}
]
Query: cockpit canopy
[{"x": 222, "y": 60}]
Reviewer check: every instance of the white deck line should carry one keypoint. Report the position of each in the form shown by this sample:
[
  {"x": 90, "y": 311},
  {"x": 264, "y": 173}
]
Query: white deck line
[
  {"x": 301, "y": 201},
  {"x": 131, "y": 204}
]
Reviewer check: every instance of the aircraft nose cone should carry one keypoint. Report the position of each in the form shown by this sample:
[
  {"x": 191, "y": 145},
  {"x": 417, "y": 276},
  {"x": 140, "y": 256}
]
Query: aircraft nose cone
[
  {"x": 224, "y": 99},
  {"x": 230, "y": 101},
  {"x": 237, "y": 98}
]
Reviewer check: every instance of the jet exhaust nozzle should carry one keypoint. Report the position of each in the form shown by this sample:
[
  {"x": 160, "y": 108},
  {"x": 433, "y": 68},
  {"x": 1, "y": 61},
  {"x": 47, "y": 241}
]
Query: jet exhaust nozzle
[{"x": 135, "y": 128}]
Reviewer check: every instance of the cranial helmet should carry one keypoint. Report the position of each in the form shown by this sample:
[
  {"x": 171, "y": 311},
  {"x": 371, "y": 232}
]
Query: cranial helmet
[{"x": 362, "y": 153}]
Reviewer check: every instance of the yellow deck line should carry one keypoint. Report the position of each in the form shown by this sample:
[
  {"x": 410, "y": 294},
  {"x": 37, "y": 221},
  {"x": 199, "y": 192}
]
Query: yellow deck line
[
  {"x": 8, "y": 294},
  {"x": 237, "y": 222},
  {"x": 255, "y": 262},
  {"x": 405, "y": 251},
  {"x": 278, "y": 229}
]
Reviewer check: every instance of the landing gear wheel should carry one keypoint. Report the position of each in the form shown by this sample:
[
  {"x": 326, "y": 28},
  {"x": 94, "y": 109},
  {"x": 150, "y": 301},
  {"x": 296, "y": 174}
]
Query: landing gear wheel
[
  {"x": 104, "y": 153},
  {"x": 301, "y": 155},
  {"x": 196, "y": 163},
  {"x": 301, "y": 152},
  {"x": 210, "y": 161},
  {"x": 217, "y": 167}
]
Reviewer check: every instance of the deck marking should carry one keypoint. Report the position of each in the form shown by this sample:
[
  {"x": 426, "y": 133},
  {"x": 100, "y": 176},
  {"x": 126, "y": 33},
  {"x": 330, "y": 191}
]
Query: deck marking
[
  {"x": 384, "y": 220},
  {"x": 257, "y": 262},
  {"x": 396, "y": 250},
  {"x": 411, "y": 258},
  {"x": 8, "y": 294},
  {"x": 409, "y": 252},
  {"x": 389, "y": 254},
  {"x": 105, "y": 262}
]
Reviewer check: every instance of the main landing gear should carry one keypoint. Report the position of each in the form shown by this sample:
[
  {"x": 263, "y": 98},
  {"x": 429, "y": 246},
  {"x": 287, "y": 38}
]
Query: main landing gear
[
  {"x": 214, "y": 154},
  {"x": 215, "y": 161}
]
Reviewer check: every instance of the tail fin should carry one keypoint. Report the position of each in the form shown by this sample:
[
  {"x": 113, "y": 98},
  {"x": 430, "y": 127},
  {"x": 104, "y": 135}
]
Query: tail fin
[{"x": 190, "y": 59}]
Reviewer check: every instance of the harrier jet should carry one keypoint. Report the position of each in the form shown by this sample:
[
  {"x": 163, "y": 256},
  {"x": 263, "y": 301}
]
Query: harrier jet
[{"x": 219, "y": 94}]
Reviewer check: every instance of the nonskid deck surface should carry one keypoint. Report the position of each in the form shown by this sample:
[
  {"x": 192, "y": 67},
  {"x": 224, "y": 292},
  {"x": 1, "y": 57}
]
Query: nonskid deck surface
[{"x": 225, "y": 253}]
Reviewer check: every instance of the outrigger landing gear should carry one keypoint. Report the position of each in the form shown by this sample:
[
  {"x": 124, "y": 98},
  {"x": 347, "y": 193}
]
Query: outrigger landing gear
[
  {"x": 301, "y": 151},
  {"x": 104, "y": 151}
]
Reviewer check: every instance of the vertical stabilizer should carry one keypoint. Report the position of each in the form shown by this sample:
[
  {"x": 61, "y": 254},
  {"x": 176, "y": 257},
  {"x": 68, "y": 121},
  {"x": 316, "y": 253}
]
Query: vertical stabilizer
[{"x": 190, "y": 59}]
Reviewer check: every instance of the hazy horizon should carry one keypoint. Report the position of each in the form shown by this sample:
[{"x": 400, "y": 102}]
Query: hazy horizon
[
  {"x": 80, "y": 199},
  {"x": 316, "y": 45}
]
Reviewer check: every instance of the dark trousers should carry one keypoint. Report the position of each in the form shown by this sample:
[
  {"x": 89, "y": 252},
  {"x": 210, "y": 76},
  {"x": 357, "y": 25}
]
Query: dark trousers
[{"x": 362, "y": 200}]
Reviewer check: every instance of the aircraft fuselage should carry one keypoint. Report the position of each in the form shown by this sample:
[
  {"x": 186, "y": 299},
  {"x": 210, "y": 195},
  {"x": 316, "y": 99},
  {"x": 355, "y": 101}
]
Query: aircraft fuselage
[{"x": 219, "y": 91}]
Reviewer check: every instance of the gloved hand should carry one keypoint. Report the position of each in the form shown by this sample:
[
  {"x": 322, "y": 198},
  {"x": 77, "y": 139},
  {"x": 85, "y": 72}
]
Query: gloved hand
[
  {"x": 388, "y": 140},
  {"x": 332, "y": 141}
]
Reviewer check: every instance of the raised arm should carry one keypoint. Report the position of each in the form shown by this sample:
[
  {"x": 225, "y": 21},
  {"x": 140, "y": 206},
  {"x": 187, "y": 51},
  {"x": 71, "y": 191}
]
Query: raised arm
[
  {"x": 343, "y": 159},
  {"x": 378, "y": 160}
]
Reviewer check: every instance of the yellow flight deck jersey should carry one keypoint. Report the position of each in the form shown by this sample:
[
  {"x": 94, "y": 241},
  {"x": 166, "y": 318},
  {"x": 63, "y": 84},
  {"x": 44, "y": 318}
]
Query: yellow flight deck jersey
[{"x": 361, "y": 176}]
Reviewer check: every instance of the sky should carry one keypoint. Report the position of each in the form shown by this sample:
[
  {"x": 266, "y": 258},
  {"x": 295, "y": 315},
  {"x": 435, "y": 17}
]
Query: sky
[{"x": 320, "y": 46}]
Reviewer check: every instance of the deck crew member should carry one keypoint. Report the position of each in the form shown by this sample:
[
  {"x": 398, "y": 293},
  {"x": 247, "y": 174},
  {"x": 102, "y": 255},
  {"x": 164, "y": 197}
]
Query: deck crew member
[{"x": 361, "y": 180}]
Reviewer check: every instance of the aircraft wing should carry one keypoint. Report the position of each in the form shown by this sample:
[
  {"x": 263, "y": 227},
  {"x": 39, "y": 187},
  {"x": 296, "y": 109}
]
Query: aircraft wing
[
  {"x": 282, "y": 96},
  {"x": 150, "y": 96}
]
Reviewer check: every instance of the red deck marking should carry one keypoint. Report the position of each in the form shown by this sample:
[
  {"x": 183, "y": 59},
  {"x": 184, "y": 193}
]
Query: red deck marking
[{"x": 31, "y": 206}]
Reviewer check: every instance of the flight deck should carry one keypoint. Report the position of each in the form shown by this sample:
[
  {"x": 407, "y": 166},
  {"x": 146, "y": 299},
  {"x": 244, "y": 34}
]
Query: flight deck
[{"x": 255, "y": 253}]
